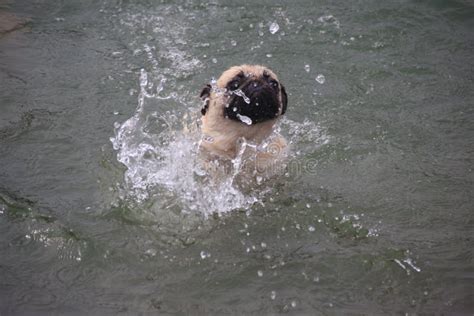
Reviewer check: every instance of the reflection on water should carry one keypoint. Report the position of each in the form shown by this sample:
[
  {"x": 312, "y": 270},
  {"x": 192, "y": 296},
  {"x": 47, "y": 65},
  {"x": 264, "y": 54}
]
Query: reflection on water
[{"x": 105, "y": 207}]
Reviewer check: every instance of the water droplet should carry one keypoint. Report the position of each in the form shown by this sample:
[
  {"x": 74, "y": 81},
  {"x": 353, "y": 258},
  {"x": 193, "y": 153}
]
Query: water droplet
[
  {"x": 274, "y": 27},
  {"x": 378, "y": 45},
  {"x": 208, "y": 138},
  {"x": 273, "y": 295},
  {"x": 320, "y": 79},
  {"x": 233, "y": 43},
  {"x": 293, "y": 304},
  {"x": 307, "y": 68},
  {"x": 205, "y": 254},
  {"x": 260, "y": 273},
  {"x": 264, "y": 245},
  {"x": 269, "y": 55},
  {"x": 409, "y": 261},
  {"x": 245, "y": 119},
  {"x": 150, "y": 252},
  {"x": 311, "y": 228},
  {"x": 214, "y": 60},
  {"x": 240, "y": 93}
]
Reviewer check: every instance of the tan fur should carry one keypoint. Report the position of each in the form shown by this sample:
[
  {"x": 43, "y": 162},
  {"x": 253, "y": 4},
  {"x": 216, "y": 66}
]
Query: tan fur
[{"x": 225, "y": 133}]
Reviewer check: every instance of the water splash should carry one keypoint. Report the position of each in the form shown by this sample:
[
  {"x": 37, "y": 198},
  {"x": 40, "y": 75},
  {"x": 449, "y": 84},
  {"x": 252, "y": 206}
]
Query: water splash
[
  {"x": 162, "y": 156},
  {"x": 170, "y": 56},
  {"x": 164, "y": 164}
]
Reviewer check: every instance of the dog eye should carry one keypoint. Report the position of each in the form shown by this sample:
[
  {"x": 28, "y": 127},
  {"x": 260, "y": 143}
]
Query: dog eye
[
  {"x": 274, "y": 84},
  {"x": 234, "y": 84}
]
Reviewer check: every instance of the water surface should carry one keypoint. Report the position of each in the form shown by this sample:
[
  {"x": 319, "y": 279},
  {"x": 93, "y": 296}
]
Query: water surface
[{"x": 102, "y": 210}]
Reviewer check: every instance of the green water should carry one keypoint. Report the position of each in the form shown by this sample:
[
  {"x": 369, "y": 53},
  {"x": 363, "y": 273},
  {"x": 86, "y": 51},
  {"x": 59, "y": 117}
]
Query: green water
[{"x": 375, "y": 216}]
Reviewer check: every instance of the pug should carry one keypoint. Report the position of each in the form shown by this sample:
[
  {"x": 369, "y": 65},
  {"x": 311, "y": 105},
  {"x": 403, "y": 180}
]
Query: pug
[{"x": 241, "y": 109}]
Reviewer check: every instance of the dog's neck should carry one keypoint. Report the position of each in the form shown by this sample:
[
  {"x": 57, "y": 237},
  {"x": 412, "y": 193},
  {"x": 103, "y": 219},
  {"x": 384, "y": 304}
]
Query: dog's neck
[{"x": 221, "y": 136}]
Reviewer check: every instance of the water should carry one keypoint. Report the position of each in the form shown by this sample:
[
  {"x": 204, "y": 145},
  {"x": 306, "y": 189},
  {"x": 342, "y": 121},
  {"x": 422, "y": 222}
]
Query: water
[{"x": 105, "y": 210}]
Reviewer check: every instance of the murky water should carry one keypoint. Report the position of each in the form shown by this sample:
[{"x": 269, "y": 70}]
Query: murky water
[{"x": 105, "y": 210}]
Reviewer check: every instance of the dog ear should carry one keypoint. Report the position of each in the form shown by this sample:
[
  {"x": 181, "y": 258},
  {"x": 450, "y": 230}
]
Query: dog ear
[
  {"x": 205, "y": 94},
  {"x": 284, "y": 99}
]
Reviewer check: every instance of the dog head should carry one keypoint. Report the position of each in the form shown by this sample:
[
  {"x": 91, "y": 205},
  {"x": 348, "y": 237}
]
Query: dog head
[
  {"x": 244, "y": 103},
  {"x": 247, "y": 94}
]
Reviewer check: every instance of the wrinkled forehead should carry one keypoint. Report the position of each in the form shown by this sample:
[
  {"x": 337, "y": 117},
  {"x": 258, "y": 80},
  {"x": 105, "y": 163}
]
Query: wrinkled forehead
[{"x": 249, "y": 71}]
